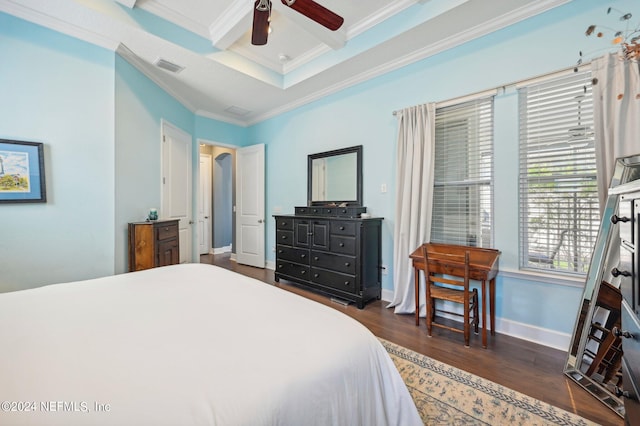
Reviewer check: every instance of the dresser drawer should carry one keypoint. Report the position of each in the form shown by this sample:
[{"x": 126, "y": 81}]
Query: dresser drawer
[
  {"x": 284, "y": 223},
  {"x": 343, "y": 245},
  {"x": 164, "y": 232},
  {"x": 292, "y": 254},
  {"x": 344, "y": 264},
  {"x": 631, "y": 360},
  {"x": 335, "y": 280},
  {"x": 631, "y": 404},
  {"x": 343, "y": 228},
  {"x": 625, "y": 266},
  {"x": 293, "y": 270},
  {"x": 284, "y": 237}
]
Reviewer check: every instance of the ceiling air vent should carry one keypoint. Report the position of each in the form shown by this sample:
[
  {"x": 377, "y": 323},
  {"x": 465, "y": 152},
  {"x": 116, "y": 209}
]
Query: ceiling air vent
[
  {"x": 168, "y": 66},
  {"x": 237, "y": 110}
]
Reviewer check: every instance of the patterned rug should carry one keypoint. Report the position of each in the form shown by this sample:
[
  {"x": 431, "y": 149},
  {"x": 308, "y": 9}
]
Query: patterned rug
[{"x": 446, "y": 395}]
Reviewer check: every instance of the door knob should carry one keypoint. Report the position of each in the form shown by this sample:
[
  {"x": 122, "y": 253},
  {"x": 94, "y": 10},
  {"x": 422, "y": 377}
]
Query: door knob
[{"x": 260, "y": 220}]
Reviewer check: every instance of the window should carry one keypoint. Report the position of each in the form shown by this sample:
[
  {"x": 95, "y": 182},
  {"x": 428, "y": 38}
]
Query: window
[
  {"x": 463, "y": 175},
  {"x": 559, "y": 215}
]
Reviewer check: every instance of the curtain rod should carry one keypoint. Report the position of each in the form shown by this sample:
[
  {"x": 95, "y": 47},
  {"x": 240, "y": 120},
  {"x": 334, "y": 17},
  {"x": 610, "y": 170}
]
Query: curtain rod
[{"x": 519, "y": 83}]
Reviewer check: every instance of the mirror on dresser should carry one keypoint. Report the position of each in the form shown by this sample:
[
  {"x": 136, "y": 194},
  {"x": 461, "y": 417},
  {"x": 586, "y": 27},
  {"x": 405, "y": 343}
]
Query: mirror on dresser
[
  {"x": 335, "y": 177},
  {"x": 595, "y": 353}
]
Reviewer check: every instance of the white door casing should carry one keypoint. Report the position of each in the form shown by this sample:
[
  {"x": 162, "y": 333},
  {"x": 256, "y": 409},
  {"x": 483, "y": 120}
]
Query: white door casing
[
  {"x": 250, "y": 227},
  {"x": 176, "y": 184},
  {"x": 204, "y": 204}
]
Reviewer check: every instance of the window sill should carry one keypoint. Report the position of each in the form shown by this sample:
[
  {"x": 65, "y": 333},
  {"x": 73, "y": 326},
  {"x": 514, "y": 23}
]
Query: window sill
[{"x": 544, "y": 277}]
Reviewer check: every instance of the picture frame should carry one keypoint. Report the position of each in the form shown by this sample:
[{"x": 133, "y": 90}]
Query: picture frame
[{"x": 22, "y": 178}]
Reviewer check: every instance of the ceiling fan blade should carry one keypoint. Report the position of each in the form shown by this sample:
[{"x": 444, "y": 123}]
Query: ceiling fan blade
[
  {"x": 316, "y": 12},
  {"x": 260, "y": 30}
]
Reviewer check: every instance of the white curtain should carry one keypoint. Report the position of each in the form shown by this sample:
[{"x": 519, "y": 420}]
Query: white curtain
[
  {"x": 414, "y": 192},
  {"x": 616, "y": 110}
]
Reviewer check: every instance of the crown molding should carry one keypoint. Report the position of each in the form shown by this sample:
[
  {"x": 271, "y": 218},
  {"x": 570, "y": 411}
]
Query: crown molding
[
  {"x": 28, "y": 14},
  {"x": 472, "y": 33},
  {"x": 176, "y": 18}
]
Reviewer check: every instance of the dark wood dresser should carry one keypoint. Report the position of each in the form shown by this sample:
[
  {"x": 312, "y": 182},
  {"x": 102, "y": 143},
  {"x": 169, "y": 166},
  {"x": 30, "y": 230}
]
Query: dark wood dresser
[
  {"x": 628, "y": 222},
  {"x": 330, "y": 251},
  {"x": 153, "y": 244}
]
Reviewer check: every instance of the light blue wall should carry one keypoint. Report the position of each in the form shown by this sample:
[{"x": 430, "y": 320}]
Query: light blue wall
[
  {"x": 363, "y": 115},
  {"x": 100, "y": 121},
  {"x": 140, "y": 108},
  {"x": 59, "y": 91}
]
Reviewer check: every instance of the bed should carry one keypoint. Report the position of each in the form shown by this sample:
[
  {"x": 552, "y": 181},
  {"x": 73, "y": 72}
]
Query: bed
[{"x": 190, "y": 344}]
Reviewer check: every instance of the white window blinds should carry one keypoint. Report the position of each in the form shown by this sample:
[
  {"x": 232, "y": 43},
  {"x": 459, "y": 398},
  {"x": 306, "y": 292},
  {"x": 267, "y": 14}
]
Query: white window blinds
[
  {"x": 463, "y": 175},
  {"x": 559, "y": 216}
]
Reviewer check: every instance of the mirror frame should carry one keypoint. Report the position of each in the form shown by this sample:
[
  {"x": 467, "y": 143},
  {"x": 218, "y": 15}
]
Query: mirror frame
[
  {"x": 623, "y": 173},
  {"x": 354, "y": 149}
]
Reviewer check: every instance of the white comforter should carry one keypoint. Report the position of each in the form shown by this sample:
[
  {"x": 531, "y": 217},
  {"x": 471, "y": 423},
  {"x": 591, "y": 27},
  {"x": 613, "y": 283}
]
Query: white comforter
[{"x": 190, "y": 344}]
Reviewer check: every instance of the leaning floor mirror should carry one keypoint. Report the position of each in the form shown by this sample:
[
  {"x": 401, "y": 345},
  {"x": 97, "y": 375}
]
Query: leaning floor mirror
[{"x": 593, "y": 360}]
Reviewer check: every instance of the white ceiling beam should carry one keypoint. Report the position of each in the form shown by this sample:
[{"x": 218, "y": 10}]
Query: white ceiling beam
[
  {"x": 129, "y": 3},
  {"x": 333, "y": 39},
  {"x": 231, "y": 24}
]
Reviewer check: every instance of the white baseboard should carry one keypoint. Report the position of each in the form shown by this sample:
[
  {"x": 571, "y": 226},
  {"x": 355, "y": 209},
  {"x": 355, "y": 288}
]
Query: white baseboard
[
  {"x": 221, "y": 250},
  {"x": 541, "y": 336}
]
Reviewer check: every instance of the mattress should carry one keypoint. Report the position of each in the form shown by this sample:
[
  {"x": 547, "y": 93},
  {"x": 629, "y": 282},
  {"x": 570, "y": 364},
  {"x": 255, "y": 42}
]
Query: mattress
[{"x": 190, "y": 344}]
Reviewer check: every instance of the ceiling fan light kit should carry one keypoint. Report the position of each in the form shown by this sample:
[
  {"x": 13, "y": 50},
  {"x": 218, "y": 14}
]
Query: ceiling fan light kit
[{"x": 308, "y": 8}]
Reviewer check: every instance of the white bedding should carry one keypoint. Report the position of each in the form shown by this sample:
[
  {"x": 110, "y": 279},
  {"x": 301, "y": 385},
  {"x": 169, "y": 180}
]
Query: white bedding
[{"x": 190, "y": 344}]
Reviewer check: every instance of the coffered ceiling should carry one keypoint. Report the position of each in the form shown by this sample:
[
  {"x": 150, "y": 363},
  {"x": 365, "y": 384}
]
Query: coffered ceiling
[{"x": 221, "y": 75}]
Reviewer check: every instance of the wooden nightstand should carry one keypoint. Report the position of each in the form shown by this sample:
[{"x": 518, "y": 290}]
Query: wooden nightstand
[{"x": 153, "y": 244}]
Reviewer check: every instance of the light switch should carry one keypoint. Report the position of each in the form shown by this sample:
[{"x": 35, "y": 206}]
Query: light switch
[{"x": 383, "y": 188}]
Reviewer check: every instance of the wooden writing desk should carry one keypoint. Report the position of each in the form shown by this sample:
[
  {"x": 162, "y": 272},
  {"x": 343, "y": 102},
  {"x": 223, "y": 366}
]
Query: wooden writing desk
[{"x": 445, "y": 259}]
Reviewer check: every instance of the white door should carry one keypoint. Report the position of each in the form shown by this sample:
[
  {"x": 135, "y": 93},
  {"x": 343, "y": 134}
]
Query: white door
[
  {"x": 250, "y": 206},
  {"x": 204, "y": 204},
  {"x": 176, "y": 184}
]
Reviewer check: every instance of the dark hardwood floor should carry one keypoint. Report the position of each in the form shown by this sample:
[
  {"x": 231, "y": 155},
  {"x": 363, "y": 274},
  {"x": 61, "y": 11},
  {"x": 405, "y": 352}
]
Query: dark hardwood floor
[{"x": 526, "y": 367}]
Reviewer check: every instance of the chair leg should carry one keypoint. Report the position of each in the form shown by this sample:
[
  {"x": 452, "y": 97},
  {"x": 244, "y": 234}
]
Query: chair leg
[
  {"x": 430, "y": 315},
  {"x": 467, "y": 325},
  {"x": 476, "y": 317}
]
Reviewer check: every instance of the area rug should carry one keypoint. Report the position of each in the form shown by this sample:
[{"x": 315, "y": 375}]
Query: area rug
[{"x": 446, "y": 395}]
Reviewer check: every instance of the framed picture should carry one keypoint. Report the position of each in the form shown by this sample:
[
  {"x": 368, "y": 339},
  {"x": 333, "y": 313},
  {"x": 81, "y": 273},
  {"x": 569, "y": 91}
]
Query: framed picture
[{"x": 22, "y": 172}]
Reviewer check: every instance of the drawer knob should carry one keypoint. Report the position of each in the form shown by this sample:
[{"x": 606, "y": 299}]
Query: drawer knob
[
  {"x": 347, "y": 283},
  {"x": 280, "y": 252},
  {"x": 303, "y": 272},
  {"x": 615, "y": 219},
  {"x": 341, "y": 244},
  {"x": 342, "y": 228},
  {"x": 280, "y": 266},
  {"x": 302, "y": 256},
  {"x": 621, "y": 333},
  {"x": 347, "y": 264},
  {"x": 283, "y": 223},
  {"x": 328, "y": 210},
  {"x": 284, "y": 237},
  {"x": 316, "y": 275},
  {"x": 617, "y": 272}
]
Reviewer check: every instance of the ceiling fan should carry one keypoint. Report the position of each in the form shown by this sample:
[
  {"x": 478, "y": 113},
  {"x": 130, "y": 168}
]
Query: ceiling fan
[{"x": 309, "y": 8}]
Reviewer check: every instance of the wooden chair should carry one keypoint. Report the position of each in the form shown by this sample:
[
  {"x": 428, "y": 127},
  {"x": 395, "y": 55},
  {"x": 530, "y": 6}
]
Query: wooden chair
[{"x": 451, "y": 289}]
